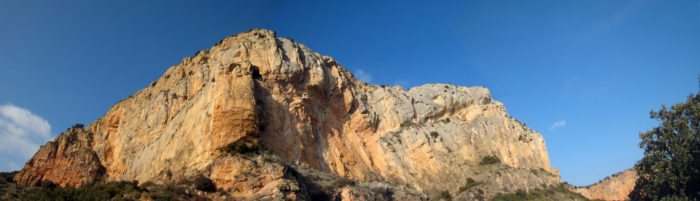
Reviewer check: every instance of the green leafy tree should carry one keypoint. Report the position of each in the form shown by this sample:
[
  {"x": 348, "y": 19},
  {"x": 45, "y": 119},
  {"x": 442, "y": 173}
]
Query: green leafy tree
[{"x": 670, "y": 169}]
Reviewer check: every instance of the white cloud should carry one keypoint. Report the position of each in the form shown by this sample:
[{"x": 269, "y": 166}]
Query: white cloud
[
  {"x": 363, "y": 76},
  {"x": 558, "y": 124},
  {"x": 22, "y": 132}
]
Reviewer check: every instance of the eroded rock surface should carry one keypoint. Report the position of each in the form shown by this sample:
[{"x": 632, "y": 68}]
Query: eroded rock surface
[
  {"x": 616, "y": 187},
  {"x": 309, "y": 110},
  {"x": 67, "y": 161}
]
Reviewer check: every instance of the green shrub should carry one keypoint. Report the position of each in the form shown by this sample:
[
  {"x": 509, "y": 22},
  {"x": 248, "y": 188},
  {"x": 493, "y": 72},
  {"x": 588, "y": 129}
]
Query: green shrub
[
  {"x": 342, "y": 182},
  {"x": 123, "y": 190},
  {"x": 434, "y": 134},
  {"x": 488, "y": 160},
  {"x": 240, "y": 147},
  {"x": 470, "y": 184},
  {"x": 115, "y": 191},
  {"x": 445, "y": 195}
]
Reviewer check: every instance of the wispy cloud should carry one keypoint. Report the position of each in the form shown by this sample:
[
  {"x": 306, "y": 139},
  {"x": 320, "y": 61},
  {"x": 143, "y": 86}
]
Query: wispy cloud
[
  {"x": 22, "y": 132},
  {"x": 363, "y": 76},
  {"x": 558, "y": 124},
  {"x": 618, "y": 18}
]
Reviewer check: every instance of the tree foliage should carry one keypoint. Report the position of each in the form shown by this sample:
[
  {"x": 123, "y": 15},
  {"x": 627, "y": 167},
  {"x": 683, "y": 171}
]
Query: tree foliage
[{"x": 670, "y": 169}]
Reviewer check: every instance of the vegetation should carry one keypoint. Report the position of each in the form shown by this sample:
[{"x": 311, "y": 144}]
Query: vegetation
[
  {"x": 246, "y": 148},
  {"x": 601, "y": 180},
  {"x": 342, "y": 182},
  {"x": 554, "y": 193},
  {"x": 122, "y": 190},
  {"x": 444, "y": 195},
  {"x": 434, "y": 134},
  {"x": 408, "y": 124},
  {"x": 488, "y": 160},
  {"x": 670, "y": 169},
  {"x": 6, "y": 177},
  {"x": 470, "y": 184},
  {"x": 78, "y": 126}
]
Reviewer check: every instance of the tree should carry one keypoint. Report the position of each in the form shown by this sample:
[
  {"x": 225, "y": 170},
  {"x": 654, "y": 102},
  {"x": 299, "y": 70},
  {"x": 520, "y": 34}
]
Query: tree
[{"x": 670, "y": 169}]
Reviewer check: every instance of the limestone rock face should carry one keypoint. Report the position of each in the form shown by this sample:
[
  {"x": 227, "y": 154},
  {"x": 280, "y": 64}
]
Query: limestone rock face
[
  {"x": 616, "y": 187},
  {"x": 308, "y": 110},
  {"x": 67, "y": 161}
]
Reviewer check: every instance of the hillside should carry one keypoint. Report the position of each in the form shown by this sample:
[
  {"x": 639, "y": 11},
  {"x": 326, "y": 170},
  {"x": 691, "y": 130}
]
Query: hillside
[{"x": 615, "y": 187}]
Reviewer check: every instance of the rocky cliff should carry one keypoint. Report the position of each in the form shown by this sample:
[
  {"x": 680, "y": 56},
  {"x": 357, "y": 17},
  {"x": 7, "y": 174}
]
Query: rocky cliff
[
  {"x": 311, "y": 112},
  {"x": 615, "y": 187}
]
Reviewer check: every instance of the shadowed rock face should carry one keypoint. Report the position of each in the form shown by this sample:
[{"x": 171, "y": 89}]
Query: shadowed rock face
[
  {"x": 308, "y": 110},
  {"x": 617, "y": 187}
]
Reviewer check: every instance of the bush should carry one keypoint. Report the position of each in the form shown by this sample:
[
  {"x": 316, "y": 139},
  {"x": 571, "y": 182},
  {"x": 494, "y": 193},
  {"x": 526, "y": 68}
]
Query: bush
[
  {"x": 521, "y": 193},
  {"x": 470, "y": 184},
  {"x": 78, "y": 126},
  {"x": 240, "y": 147},
  {"x": 434, "y": 134},
  {"x": 121, "y": 190},
  {"x": 6, "y": 177},
  {"x": 444, "y": 195},
  {"x": 342, "y": 182},
  {"x": 48, "y": 190},
  {"x": 488, "y": 160},
  {"x": 204, "y": 184}
]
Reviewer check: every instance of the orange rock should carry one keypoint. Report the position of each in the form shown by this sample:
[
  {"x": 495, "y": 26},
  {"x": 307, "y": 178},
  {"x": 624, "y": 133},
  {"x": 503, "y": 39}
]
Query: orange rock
[
  {"x": 307, "y": 109},
  {"x": 67, "y": 161},
  {"x": 616, "y": 187}
]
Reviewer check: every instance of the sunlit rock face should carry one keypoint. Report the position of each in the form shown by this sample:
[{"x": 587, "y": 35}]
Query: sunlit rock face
[
  {"x": 308, "y": 110},
  {"x": 68, "y": 161},
  {"x": 616, "y": 187}
]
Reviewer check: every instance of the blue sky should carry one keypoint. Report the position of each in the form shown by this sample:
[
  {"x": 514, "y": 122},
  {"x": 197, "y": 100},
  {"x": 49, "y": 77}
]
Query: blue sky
[{"x": 585, "y": 74}]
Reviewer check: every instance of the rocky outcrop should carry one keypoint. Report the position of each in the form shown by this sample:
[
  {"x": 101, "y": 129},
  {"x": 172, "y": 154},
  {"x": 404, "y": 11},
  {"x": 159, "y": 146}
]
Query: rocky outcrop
[
  {"x": 616, "y": 187},
  {"x": 308, "y": 110},
  {"x": 67, "y": 161}
]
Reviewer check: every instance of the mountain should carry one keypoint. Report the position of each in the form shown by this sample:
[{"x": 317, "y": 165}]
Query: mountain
[
  {"x": 616, "y": 187},
  {"x": 327, "y": 133}
]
